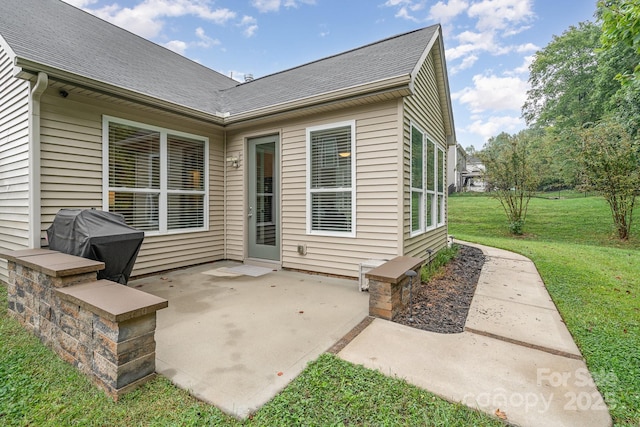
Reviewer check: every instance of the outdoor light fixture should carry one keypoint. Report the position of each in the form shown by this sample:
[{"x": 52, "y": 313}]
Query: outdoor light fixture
[{"x": 233, "y": 161}]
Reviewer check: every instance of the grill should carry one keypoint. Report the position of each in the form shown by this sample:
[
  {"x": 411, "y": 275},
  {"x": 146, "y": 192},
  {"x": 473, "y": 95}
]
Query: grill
[{"x": 100, "y": 236}]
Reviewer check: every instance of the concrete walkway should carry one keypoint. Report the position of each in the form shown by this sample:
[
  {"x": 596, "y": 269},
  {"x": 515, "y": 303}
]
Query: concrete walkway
[
  {"x": 236, "y": 341},
  {"x": 516, "y": 354}
]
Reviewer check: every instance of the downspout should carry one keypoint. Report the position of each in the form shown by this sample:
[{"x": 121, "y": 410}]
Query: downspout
[{"x": 35, "y": 221}]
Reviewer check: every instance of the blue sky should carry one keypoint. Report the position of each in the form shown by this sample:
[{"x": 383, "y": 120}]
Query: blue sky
[{"x": 489, "y": 43}]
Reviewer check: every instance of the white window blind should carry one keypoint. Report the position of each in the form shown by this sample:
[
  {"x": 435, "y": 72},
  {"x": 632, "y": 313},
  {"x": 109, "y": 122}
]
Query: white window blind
[
  {"x": 185, "y": 199},
  {"x": 156, "y": 178},
  {"x": 330, "y": 180}
]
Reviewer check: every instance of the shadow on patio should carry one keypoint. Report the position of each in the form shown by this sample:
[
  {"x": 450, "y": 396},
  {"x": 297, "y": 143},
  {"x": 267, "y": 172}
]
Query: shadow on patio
[{"x": 236, "y": 342}]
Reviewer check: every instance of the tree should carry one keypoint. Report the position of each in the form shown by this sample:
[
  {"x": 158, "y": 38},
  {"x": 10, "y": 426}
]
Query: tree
[
  {"x": 510, "y": 175},
  {"x": 562, "y": 77},
  {"x": 611, "y": 166},
  {"x": 621, "y": 25}
]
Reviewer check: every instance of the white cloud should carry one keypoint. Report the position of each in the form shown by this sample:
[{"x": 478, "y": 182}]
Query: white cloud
[
  {"x": 265, "y": 6},
  {"x": 527, "y": 47},
  {"x": 407, "y": 8},
  {"x": 495, "y": 15},
  {"x": 493, "y": 93},
  {"x": 522, "y": 69},
  {"x": 466, "y": 63},
  {"x": 494, "y": 125},
  {"x": 204, "y": 40},
  {"x": 80, "y": 3},
  {"x": 403, "y": 12},
  {"x": 489, "y": 24},
  {"x": 146, "y": 18},
  {"x": 444, "y": 12},
  {"x": 392, "y": 3},
  {"x": 178, "y": 46},
  {"x": 250, "y": 25}
]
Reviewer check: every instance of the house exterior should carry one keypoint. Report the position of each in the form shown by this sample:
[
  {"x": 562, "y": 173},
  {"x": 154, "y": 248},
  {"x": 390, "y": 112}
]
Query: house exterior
[
  {"x": 316, "y": 168},
  {"x": 456, "y": 167},
  {"x": 473, "y": 177}
]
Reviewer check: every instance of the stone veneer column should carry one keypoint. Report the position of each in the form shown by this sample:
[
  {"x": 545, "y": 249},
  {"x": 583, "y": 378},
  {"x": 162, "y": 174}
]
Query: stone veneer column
[
  {"x": 389, "y": 286},
  {"x": 105, "y": 329}
]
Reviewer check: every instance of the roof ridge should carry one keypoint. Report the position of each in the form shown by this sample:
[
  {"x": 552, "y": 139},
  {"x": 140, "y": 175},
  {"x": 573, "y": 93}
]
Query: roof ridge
[
  {"x": 334, "y": 55},
  {"x": 117, "y": 28}
]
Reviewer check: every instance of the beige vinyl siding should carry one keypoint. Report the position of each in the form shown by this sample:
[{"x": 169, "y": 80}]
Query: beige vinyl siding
[
  {"x": 424, "y": 108},
  {"x": 14, "y": 160},
  {"x": 377, "y": 222},
  {"x": 235, "y": 218},
  {"x": 72, "y": 173}
]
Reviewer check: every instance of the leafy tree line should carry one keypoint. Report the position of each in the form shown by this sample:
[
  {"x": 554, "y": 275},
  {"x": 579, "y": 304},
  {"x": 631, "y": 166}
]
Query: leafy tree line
[{"x": 583, "y": 117}]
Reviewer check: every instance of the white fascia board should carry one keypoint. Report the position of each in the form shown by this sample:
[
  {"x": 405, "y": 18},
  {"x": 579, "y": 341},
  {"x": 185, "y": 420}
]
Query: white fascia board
[
  {"x": 29, "y": 68},
  {"x": 379, "y": 86},
  {"x": 437, "y": 38}
]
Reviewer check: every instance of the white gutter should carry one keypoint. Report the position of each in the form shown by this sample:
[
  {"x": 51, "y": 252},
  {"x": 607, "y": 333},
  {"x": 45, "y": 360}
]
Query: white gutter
[
  {"x": 35, "y": 221},
  {"x": 25, "y": 72},
  {"x": 398, "y": 85}
]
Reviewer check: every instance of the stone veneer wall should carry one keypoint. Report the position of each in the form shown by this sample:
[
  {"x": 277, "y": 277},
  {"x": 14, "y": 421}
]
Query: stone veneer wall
[
  {"x": 117, "y": 350},
  {"x": 389, "y": 286}
]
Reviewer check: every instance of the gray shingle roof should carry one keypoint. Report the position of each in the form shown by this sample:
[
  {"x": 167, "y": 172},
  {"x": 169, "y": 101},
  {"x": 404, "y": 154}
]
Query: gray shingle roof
[
  {"x": 55, "y": 34},
  {"x": 392, "y": 57}
]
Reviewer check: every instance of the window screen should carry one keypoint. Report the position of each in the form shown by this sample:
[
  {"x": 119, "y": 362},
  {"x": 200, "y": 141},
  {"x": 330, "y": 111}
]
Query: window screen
[
  {"x": 149, "y": 196},
  {"x": 331, "y": 184}
]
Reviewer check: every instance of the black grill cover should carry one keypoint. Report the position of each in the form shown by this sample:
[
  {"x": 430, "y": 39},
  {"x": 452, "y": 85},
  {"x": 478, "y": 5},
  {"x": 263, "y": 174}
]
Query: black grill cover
[{"x": 100, "y": 236}]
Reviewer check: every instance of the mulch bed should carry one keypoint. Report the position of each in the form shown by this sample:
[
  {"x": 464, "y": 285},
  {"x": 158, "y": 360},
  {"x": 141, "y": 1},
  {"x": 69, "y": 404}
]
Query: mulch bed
[{"x": 442, "y": 304}]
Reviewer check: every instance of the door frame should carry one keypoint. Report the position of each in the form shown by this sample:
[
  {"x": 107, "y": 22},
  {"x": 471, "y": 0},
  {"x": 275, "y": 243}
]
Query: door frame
[{"x": 255, "y": 250}]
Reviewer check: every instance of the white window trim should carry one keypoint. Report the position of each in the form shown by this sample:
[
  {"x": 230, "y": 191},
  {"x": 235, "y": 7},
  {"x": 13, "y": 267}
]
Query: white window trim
[
  {"x": 412, "y": 189},
  {"x": 163, "y": 192},
  {"x": 352, "y": 233},
  {"x": 433, "y": 194},
  {"x": 444, "y": 186}
]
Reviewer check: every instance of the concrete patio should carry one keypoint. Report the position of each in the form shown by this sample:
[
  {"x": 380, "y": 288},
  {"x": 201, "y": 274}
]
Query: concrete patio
[{"x": 236, "y": 341}]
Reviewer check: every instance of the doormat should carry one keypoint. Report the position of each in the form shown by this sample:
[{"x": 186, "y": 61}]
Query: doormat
[
  {"x": 239, "y": 270},
  {"x": 222, "y": 272},
  {"x": 249, "y": 270}
]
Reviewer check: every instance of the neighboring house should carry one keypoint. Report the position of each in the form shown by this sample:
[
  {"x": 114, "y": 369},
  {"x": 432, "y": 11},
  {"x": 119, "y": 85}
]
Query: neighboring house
[
  {"x": 456, "y": 167},
  {"x": 473, "y": 177},
  {"x": 316, "y": 168}
]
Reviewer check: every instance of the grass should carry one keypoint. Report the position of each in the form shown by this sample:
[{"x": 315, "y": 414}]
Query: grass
[
  {"x": 38, "y": 388},
  {"x": 593, "y": 278},
  {"x": 435, "y": 266}
]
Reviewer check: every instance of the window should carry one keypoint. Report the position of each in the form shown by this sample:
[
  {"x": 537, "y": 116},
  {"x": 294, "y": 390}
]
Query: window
[
  {"x": 440, "y": 210},
  {"x": 331, "y": 197},
  {"x": 431, "y": 183},
  {"x": 417, "y": 180},
  {"x": 427, "y": 183},
  {"x": 156, "y": 178}
]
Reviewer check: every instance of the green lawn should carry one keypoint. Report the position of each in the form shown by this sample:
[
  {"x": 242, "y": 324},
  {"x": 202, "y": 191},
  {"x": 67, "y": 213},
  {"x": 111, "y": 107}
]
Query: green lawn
[
  {"x": 39, "y": 389},
  {"x": 593, "y": 278}
]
